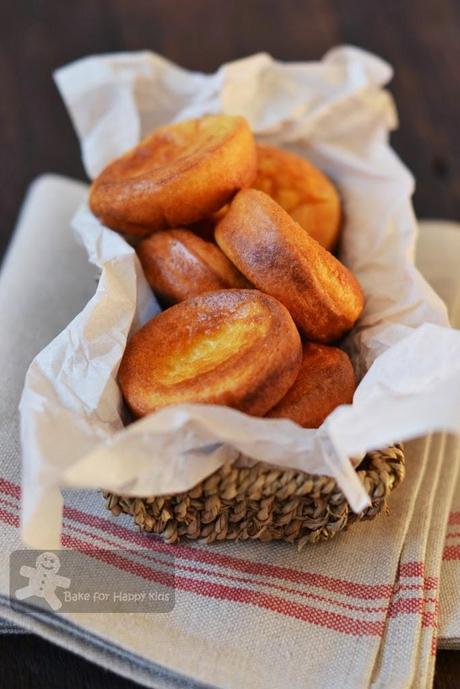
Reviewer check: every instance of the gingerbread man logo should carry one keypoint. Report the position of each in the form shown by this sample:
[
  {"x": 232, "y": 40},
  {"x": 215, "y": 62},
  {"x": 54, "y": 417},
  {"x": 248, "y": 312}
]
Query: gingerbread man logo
[{"x": 43, "y": 580}]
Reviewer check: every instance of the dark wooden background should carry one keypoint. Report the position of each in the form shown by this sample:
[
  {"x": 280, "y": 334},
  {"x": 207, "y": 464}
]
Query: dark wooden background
[{"x": 420, "y": 38}]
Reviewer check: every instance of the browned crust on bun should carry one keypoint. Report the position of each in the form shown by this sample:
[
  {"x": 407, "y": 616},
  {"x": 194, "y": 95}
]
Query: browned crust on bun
[
  {"x": 176, "y": 176},
  {"x": 278, "y": 257},
  {"x": 179, "y": 265},
  {"x": 302, "y": 190},
  {"x": 238, "y": 348},
  {"x": 326, "y": 379}
]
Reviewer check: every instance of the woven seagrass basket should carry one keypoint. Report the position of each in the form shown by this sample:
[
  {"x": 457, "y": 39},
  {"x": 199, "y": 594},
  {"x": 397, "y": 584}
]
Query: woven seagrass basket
[{"x": 263, "y": 502}]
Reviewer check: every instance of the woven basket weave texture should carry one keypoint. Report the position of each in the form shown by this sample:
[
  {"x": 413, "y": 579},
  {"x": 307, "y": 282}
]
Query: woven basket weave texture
[{"x": 263, "y": 502}]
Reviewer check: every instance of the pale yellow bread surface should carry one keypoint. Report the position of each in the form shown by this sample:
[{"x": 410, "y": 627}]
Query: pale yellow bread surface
[
  {"x": 177, "y": 175},
  {"x": 238, "y": 348},
  {"x": 302, "y": 190}
]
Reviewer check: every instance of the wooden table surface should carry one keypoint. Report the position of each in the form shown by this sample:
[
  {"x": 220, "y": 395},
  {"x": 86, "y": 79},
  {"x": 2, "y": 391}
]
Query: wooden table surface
[{"x": 420, "y": 38}]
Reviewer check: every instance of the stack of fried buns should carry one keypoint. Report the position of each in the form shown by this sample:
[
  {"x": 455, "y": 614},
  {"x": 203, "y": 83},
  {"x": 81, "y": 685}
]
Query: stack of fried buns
[{"x": 236, "y": 240}]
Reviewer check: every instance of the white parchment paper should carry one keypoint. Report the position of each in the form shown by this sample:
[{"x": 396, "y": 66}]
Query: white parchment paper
[{"x": 336, "y": 113}]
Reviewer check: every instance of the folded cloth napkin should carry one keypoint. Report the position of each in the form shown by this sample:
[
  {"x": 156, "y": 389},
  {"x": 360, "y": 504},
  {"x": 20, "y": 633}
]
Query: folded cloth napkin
[
  {"x": 358, "y": 611},
  {"x": 449, "y": 622},
  {"x": 444, "y": 273}
]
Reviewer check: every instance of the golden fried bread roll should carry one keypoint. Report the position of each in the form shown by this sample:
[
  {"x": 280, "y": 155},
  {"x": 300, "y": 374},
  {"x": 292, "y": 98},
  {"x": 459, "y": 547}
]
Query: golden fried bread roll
[
  {"x": 238, "y": 348},
  {"x": 179, "y": 174},
  {"x": 281, "y": 259},
  {"x": 178, "y": 265},
  {"x": 326, "y": 379},
  {"x": 302, "y": 190}
]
